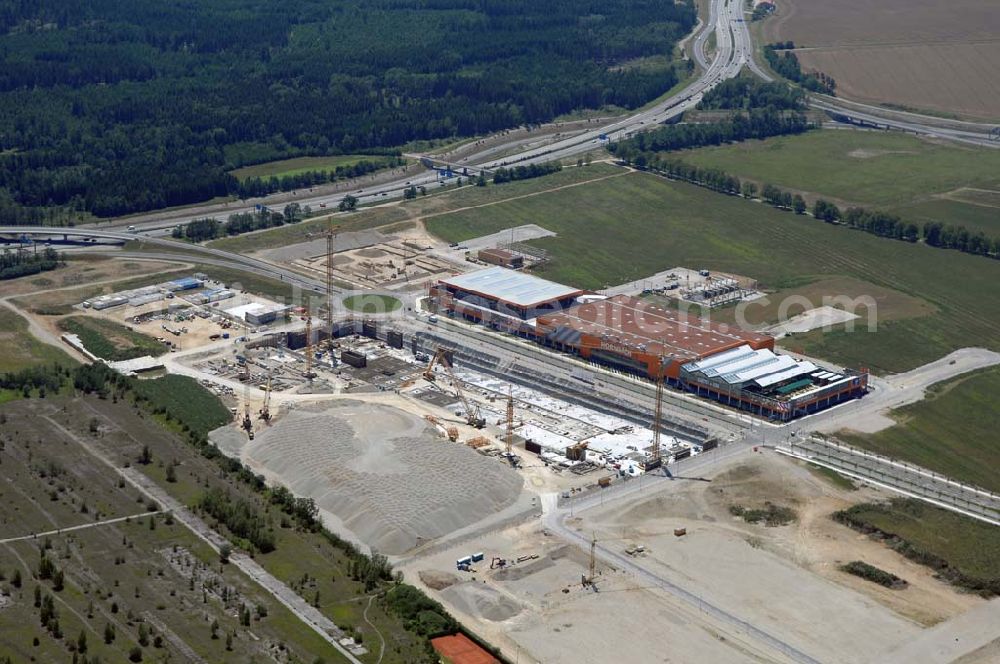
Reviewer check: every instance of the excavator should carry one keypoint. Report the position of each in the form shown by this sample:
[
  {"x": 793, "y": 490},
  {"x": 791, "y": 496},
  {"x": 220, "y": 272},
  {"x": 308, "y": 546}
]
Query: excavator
[{"x": 473, "y": 415}]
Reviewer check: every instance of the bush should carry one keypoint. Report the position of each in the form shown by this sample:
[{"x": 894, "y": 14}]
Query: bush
[
  {"x": 771, "y": 514},
  {"x": 874, "y": 574}
]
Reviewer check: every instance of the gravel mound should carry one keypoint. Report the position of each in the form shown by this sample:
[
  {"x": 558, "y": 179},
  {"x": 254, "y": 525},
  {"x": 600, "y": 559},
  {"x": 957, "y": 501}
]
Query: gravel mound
[
  {"x": 383, "y": 472},
  {"x": 436, "y": 580},
  {"x": 480, "y": 600}
]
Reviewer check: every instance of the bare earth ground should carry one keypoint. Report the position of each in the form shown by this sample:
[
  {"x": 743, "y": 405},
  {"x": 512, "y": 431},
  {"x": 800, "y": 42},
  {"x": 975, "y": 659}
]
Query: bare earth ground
[
  {"x": 537, "y": 607},
  {"x": 379, "y": 470},
  {"x": 923, "y": 54}
]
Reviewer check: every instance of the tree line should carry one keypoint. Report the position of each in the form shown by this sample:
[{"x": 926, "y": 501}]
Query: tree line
[
  {"x": 210, "y": 228},
  {"x": 254, "y": 187},
  {"x": 877, "y": 222},
  {"x": 757, "y": 123},
  {"x": 786, "y": 64},
  {"x": 109, "y": 111},
  {"x": 502, "y": 175},
  {"x": 23, "y": 262}
]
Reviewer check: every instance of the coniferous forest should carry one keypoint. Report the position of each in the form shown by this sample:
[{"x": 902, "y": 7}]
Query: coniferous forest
[{"x": 119, "y": 106}]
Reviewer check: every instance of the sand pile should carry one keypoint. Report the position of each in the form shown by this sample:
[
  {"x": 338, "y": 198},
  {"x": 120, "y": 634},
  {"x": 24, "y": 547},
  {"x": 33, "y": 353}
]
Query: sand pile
[
  {"x": 480, "y": 600},
  {"x": 385, "y": 473},
  {"x": 436, "y": 579}
]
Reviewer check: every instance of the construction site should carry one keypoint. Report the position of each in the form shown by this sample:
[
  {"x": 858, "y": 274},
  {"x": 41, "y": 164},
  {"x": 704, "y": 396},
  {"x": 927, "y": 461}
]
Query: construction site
[{"x": 473, "y": 433}]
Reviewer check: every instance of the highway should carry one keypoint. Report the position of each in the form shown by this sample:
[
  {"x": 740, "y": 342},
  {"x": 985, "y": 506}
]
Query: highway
[
  {"x": 176, "y": 250},
  {"x": 733, "y": 51}
]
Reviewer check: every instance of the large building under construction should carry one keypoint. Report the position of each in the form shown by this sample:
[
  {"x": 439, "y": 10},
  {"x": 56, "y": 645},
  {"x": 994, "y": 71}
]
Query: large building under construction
[{"x": 721, "y": 362}]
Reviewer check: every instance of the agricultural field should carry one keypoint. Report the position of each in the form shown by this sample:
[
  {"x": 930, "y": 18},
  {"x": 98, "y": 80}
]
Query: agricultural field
[
  {"x": 129, "y": 578},
  {"x": 437, "y": 201},
  {"x": 109, "y": 340},
  {"x": 937, "y": 300},
  {"x": 299, "y": 165},
  {"x": 873, "y": 169},
  {"x": 953, "y": 431},
  {"x": 21, "y": 349},
  {"x": 920, "y": 54}
]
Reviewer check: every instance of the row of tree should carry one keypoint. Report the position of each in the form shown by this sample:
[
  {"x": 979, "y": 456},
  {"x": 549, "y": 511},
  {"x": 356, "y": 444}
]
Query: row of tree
[
  {"x": 758, "y": 123},
  {"x": 502, "y": 175},
  {"x": 22, "y": 262},
  {"x": 210, "y": 228},
  {"x": 786, "y": 64},
  {"x": 877, "y": 222}
]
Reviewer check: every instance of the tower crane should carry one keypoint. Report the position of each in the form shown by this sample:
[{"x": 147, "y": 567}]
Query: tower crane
[
  {"x": 309, "y": 350},
  {"x": 655, "y": 461},
  {"x": 509, "y": 434},
  {"x": 473, "y": 415},
  {"x": 331, "y": 234},
  {"x": 591, "y": 578}
]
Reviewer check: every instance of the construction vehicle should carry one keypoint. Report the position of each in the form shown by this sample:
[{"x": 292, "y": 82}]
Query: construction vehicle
[
  {"x": 498, "y": 563},
  {"x": 247, "y": 421},
  {"x": 473, "y": 416},
  {"x": 265, "y": 409}
]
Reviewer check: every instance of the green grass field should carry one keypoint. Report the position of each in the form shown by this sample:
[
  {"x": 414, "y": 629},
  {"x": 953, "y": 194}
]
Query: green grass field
[
  {"x": 372, "y": 303},
  {"x": 864, "y": 168},
  {"x": 625, "y": 228},
  {"x": 301, "y": 165},
  {"x": 111, "y": 341},
  {"x": 974, "y": 217},
  {"x": 184, "y": 400},
  {"x": 970, "y": 546},
  {"x": 953, "y": 431},
  {"x": 21, "y": 349},
  {"x": 438, "y": 200}
]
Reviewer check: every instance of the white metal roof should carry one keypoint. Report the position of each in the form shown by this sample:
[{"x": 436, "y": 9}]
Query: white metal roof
[
  {"x": 778, "y": 364},
  {"x": 720, "y": 358},
  {"x": 511, "y": 286},
  {"x": 757, "y": 358},
  {"x": 796, "y": 370}
]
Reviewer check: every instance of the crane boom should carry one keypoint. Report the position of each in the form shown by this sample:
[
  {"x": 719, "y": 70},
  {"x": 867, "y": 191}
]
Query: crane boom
[{"x": 472, "y": 413}]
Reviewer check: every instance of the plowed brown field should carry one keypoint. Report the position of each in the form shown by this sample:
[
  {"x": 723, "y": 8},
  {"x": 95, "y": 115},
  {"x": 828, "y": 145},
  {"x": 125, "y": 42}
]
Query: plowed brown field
[{"x": 929, "y": 55}]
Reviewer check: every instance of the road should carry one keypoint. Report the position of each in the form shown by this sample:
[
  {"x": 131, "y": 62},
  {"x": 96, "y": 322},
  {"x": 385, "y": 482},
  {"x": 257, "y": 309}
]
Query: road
[
  {"x": 733, "y": 50},
  {"x": 177, "y": 250},
  {"x": 899, "y": 476},
  {"x": 82, "y": 526}
]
